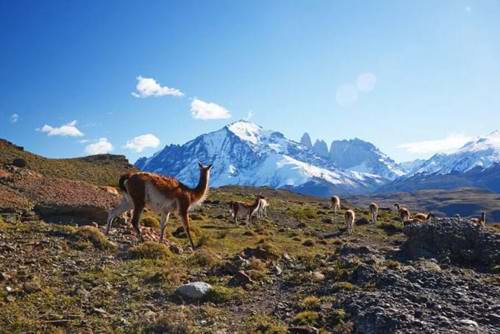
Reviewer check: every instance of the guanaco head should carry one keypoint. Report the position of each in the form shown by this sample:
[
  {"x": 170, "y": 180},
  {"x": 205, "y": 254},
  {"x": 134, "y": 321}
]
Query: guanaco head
[
  {"x": 396, "y": 205},
  {"x": 204, "y": 169}
]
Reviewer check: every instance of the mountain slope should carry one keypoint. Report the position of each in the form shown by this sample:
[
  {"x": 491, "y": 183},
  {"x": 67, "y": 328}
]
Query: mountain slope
[
  {"x": 358, "y": 155},
  {"x": 244, "y": 153}
]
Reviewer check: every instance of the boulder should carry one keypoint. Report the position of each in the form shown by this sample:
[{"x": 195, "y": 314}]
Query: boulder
[
  {"x": 194, "y": 290},
  {"x": 19, "y": 162},
  {"x": 458, "y": 242}
]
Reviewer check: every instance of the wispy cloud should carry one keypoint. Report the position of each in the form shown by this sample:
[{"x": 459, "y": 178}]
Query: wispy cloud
[
  {"x": 446, "y": 145},
  {"x": 14, "y": 118},
  {"x": 142, "y": 142},
  {"x": 102, "y": 146},
  {"x": 208, "y": 110},
  {"x": 66, "y": 130},
  {"x": 147, "y": 87}
]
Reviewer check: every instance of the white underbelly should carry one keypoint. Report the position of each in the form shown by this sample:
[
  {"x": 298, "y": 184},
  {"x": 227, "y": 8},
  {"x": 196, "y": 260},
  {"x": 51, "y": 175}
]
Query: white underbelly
[{"x": 157, "y": 202}]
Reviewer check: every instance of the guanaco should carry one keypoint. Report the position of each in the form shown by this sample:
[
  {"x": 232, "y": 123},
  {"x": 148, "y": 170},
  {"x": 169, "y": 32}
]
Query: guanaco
[{"x": 163, "y": 194}]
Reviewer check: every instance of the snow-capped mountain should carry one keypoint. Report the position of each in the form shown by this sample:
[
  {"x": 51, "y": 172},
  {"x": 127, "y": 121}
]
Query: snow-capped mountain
[
  {"x": 476, "y": 164},
  {"x": 482, "y": 152},
  {"x": 361, "y": 156},
  {"x": 409, "y": 167},
  {"x": 244, "y": 153}
]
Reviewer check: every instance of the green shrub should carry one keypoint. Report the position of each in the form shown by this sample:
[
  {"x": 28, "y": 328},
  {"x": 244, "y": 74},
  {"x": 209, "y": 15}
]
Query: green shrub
[{"x": 149, "y": 250}]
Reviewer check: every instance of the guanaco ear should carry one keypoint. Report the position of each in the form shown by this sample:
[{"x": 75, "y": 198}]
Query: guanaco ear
[
  {"x": 209, "y": 166},
  {"x": 199, "y": 164}
]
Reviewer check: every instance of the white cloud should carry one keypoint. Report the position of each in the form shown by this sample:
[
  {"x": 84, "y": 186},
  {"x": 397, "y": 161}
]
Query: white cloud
[
  {"x": 102, "y": 146},
  {"x": 446, "y": 145},
  {"x": 208, "y": 110},
  {"x": 346, "y": 95},
  {"x": 147, "y": 87},
  {"x": 68, "y": 129},
  {"x": 140, "y": 143},
  {"x": 366, "y": 82},
  {"x": 14, "y": 118}
]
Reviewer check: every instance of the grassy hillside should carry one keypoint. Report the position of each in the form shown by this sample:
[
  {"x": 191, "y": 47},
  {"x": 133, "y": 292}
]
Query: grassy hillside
[
  {"x": 303, "y": 272},
  {"x": 466, "y": 202},
  {"x": 102, "y": 169}
]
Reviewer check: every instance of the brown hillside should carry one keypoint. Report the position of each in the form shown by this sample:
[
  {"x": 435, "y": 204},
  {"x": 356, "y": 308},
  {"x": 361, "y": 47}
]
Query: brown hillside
[{"x": 102, "y": 169}]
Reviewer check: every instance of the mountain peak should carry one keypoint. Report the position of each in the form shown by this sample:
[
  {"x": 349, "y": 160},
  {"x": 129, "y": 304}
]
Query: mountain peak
[
  {"x": 246, "y": 130},
  {"x": 306, "y": 140}
]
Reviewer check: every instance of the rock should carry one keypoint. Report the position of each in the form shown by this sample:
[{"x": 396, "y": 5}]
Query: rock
[
  {"x": 150, "y": 315},
  {"x": 364, "y": 274},
  {"x": 277, "y": 270},
  {"x": 362, "y": 221},
  {"x": 318, "y": 276},
  {"x": 240, "y": 279},
  {"x": 260, "y": 252},
  {"x": 176, "y": 249},
  {"x": 19, "y": 162},
  {"x": 99, "y": 310},
  {"x": 327, "y": 221},
  {"x": 348, "y": 249},
  {"x": 469, "y": 323},
  {"x": 460, "y": 242},
  {"x": 303, "y": 330},
  {"x": 30, "y": 287},
  {"x": 194, "y": 290}
]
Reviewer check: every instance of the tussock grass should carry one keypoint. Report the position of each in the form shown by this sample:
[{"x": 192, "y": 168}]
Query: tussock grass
[
  {"x": 149, "y": 250},
  {"x": 337, "y": 286},
  {"x": 204, "y": 257},
  {"x": 94, "y": 236},
  {"x": 263, "y": 324},
  {"x": 150, "y": 222},
  {"x": 306, "y": 318},
  {"x": 221, "y": 294},
  {"x": 311, "y": 303}
]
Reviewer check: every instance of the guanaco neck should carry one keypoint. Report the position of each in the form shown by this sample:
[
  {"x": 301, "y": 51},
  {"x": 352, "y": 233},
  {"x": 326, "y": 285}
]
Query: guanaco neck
[{"x": 199, "y": 193}]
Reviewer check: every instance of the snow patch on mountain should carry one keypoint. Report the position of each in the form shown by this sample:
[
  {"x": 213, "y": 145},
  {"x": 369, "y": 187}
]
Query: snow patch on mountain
[{"x": 244, "y": 153}]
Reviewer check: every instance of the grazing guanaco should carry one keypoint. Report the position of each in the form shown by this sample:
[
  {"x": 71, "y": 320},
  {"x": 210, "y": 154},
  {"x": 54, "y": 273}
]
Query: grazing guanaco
[
  {"x": 349, "y": 216},
  {"x": 480, "y": 221},
  {"x": 373, "y": 212},
  {"x": 262, "y": 208},
  {"x": 163, "y": 194},
  {"x": 422, "y": 217},
  {"x": 247, "y": 210},
  {"x": 335, "y": 203},
  {"x": 403, "y": 212}
]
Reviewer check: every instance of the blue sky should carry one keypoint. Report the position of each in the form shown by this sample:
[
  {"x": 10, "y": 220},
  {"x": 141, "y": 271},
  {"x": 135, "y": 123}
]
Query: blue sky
[{"x": 412, "y": 77}]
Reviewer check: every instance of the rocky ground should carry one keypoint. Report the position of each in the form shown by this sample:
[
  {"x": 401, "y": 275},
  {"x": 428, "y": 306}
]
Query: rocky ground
[{"x": 296, "y": 271}]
